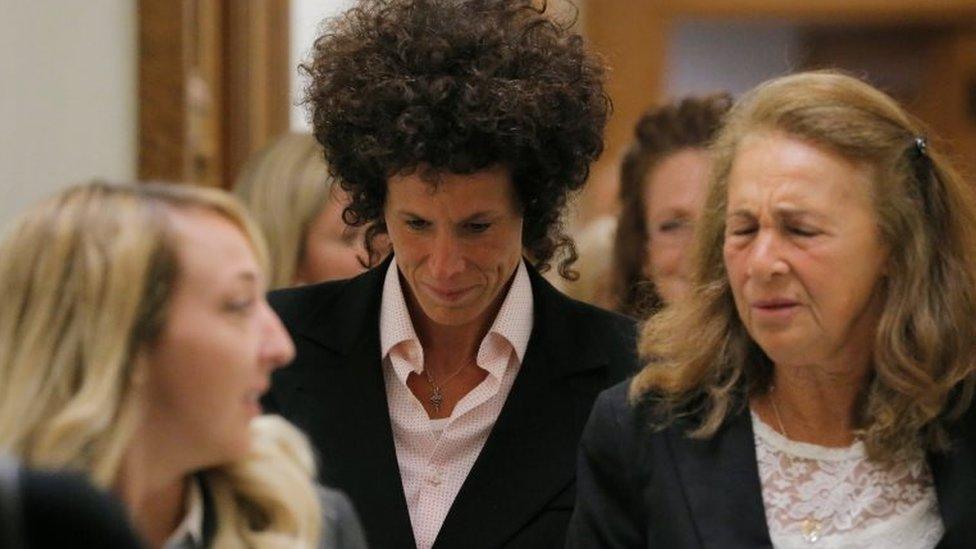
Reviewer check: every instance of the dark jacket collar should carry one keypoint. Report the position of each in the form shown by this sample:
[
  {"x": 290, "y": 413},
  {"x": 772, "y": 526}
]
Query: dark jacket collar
[
  {"x": 532, "y": 444},
  {"x": 340, "y": 325},
  {"x": 723, "y": 464},
  {"x": 726, "y": 464}
]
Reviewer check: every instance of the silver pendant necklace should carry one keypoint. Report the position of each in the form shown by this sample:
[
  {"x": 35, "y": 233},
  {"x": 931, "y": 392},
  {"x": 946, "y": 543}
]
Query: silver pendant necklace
[{"x": 436, "y": 397}]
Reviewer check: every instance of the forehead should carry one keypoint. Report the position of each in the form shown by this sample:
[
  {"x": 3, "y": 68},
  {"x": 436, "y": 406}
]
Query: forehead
[
  {"x": 773, "y": 167},
  {"x": 210, "y": 247},
  {"x": 452, "y": 194},
  {"x": 678, "y": 180}
]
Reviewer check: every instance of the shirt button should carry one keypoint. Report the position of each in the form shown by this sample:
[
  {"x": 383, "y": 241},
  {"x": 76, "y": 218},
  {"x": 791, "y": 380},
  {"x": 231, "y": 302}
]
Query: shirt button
[{"x": 435, "y": 478}]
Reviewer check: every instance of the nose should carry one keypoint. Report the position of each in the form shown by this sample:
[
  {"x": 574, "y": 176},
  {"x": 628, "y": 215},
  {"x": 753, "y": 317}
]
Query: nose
[
  {"x": 446, "y": 257},
  {"x": 276, "y": 347},
  {"x": 765, "y": 259}
]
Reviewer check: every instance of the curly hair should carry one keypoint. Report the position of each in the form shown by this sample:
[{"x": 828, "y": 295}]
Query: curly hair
[
  {"x": 924, "y": 349},
  {"x": 459, "y": 86},
  {"x": 660, "y": 132}
]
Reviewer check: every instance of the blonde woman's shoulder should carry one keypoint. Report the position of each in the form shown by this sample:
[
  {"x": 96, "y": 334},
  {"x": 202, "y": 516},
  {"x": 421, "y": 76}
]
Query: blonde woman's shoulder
[{"x": 340, "y": 524}]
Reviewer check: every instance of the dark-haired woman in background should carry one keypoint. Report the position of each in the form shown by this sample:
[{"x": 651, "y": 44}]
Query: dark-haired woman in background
[
  {"x": 816, "y": 385},
  {"x": 662, "y": 188}
]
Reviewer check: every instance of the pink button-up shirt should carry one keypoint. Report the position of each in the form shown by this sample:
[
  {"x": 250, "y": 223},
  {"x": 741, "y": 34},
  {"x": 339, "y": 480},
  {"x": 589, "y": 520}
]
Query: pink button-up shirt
[{"x": 436, "y": 455}]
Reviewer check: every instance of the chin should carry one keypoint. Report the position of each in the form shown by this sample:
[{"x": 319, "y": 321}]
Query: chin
[{"x": 451, "y": 317}]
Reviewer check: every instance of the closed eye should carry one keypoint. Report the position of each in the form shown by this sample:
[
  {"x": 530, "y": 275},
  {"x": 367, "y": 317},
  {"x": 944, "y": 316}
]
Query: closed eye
[
  {"x": 803, "y": 231},
  {"x": 742, "y": 230},
  {"x": 240, "y": 306},
  {"x": 477, "y": 227},
  {"x": 417, "y": 224},
  {"x": 673, "y": 225}
]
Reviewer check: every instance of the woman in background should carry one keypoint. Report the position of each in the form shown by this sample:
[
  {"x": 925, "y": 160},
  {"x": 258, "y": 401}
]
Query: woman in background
[
  {"x": 662, "y": 187},
  {"x": 816, "y": 385},
  {"x": 289, "y": 192},
  {"x": 135, "y": 342}
]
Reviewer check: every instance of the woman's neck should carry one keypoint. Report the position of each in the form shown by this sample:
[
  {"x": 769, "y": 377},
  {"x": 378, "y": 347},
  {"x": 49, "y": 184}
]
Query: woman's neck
[
  {"x": 153, "y": 493},
  {"x": 814, "y": 404}
]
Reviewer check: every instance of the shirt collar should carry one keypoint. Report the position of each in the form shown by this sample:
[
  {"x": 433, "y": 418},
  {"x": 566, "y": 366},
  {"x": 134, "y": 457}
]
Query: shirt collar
[
  {"x": 513, "y": 323},
  {"x": 189, "y": 533}
]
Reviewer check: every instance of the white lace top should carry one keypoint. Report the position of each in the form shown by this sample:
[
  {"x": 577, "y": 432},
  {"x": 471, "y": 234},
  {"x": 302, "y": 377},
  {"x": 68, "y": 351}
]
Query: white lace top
[{"x": 817, "y": 496}]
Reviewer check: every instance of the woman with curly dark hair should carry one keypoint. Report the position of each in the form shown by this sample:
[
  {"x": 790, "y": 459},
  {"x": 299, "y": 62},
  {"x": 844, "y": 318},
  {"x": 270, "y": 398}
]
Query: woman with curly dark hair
[
  {"x": 459, "y": 128},
  {"x": 662, "y": 187}
]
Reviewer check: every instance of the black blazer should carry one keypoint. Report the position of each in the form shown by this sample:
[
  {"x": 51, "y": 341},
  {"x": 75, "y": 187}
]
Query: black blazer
[
  {"x": 521, "y": 489},
  {"x": 641, "y": 488}
]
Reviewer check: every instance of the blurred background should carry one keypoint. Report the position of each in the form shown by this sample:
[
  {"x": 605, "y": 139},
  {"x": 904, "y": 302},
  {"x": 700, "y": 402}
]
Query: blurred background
[{"x": 186, "y": 90}]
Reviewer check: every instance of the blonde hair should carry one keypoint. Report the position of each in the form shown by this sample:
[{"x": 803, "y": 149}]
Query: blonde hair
[
  {"x": 85, "y": 279},
  {"x": 285, "y": 187},
  {"x": 704, "y": 362}
]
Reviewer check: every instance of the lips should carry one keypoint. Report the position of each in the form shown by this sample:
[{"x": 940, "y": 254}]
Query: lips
[
  {"x": 252, "y": 399},
  {"x": 447, "y": 294},
  {"x": 775, "y": 308},
  {"x": 775, "y": 303}
]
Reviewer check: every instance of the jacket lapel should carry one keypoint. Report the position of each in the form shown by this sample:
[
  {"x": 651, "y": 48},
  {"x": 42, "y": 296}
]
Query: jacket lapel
[
  {"x": 528, "y": 461},
  {"x": 341, "y": 403},
  {"x": 726, "y": 465},
  {"x": 954, "y": 474}
]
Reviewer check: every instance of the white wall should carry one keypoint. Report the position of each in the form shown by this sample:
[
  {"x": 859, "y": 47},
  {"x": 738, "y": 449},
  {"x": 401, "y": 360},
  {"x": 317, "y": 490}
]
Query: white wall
[
  {"x": 67, "y": 96},
  {"x": 306, "y": 21}
]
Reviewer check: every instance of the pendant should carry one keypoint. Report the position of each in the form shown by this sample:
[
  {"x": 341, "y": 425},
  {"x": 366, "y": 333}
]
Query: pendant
[
  {"x": 810, "y": 528},
  {"x": 436, "y": 398}
]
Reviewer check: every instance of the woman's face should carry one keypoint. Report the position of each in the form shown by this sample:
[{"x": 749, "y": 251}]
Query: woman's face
[
  {"x": 803, "y": 251},
  {"x": 333, "y": 250},
  {"x": 220, "y": 344},
  {"x": 673, "y": 198}
]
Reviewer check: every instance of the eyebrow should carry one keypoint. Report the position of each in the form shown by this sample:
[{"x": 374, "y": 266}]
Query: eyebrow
[{"x": 468, "y": 219}]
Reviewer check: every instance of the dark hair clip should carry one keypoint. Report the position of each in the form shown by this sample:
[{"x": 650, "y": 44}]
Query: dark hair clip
[{"x": 921, "y": 146}]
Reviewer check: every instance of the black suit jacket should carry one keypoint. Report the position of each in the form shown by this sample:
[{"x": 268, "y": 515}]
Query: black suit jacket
[
  {"x": 521, "y": 489},
  {"x": 645, "y": 488}
]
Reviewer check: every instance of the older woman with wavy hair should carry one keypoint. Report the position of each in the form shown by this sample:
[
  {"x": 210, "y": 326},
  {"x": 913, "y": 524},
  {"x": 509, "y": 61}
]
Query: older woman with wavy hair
[
  {"x": 135, "y": 341},
  {"x": 816, "y": 387}
]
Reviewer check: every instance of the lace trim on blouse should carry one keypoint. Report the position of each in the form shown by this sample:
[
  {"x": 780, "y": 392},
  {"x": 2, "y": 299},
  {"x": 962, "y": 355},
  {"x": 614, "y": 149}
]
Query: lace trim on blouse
[{"x": 817, "y": 496}]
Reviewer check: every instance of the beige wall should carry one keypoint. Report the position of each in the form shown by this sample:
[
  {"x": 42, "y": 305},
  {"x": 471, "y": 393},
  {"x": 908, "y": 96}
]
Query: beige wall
[{"x": 67, "y": 96}]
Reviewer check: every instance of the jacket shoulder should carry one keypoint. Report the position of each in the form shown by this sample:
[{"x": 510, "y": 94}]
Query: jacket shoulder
[
  {"x": 298, "y": 301},
  {"x": 614, "y": 334},
  {"x": 341, "y": 528}
]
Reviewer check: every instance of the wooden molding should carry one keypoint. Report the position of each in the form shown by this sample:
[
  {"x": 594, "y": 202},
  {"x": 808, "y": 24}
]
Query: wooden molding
[
  {"x": 162, "y": 102},
  {"x": 632, "y": 37},
  {"x": 827, "y": 11},
  {"x": 213, "y": 86}
]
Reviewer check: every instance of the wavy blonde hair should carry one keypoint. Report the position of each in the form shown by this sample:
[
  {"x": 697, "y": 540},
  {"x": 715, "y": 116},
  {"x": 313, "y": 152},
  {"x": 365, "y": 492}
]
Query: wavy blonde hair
[
  {"x": 85, "y": 279},
  {"x": 285, "y": 186},
  {"x": 924, "y": 352}
]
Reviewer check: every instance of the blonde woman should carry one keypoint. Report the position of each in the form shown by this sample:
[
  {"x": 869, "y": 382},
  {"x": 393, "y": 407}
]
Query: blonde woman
[
  {"x": 289, "y": 192},
  {"x": 135, "y": 342},
  {"x": 816, "y": 386}
]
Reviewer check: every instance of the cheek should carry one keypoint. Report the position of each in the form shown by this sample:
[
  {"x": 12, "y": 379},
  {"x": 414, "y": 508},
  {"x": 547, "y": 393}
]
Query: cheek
[
  {"x": 663, "y": 260},
  {"x": 404, "y": 244},
  {"x": 734, "y": 269}
]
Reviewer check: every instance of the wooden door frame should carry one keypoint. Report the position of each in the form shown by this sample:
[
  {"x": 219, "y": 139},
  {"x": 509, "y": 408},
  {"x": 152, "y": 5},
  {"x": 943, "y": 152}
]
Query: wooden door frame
[{"x": 213, "y": 86}]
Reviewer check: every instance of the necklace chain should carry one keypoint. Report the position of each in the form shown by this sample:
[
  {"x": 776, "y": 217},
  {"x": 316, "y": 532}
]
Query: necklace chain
[
  {"x": 811, "y": 528},
  {"x": 436, "y": 398}
]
